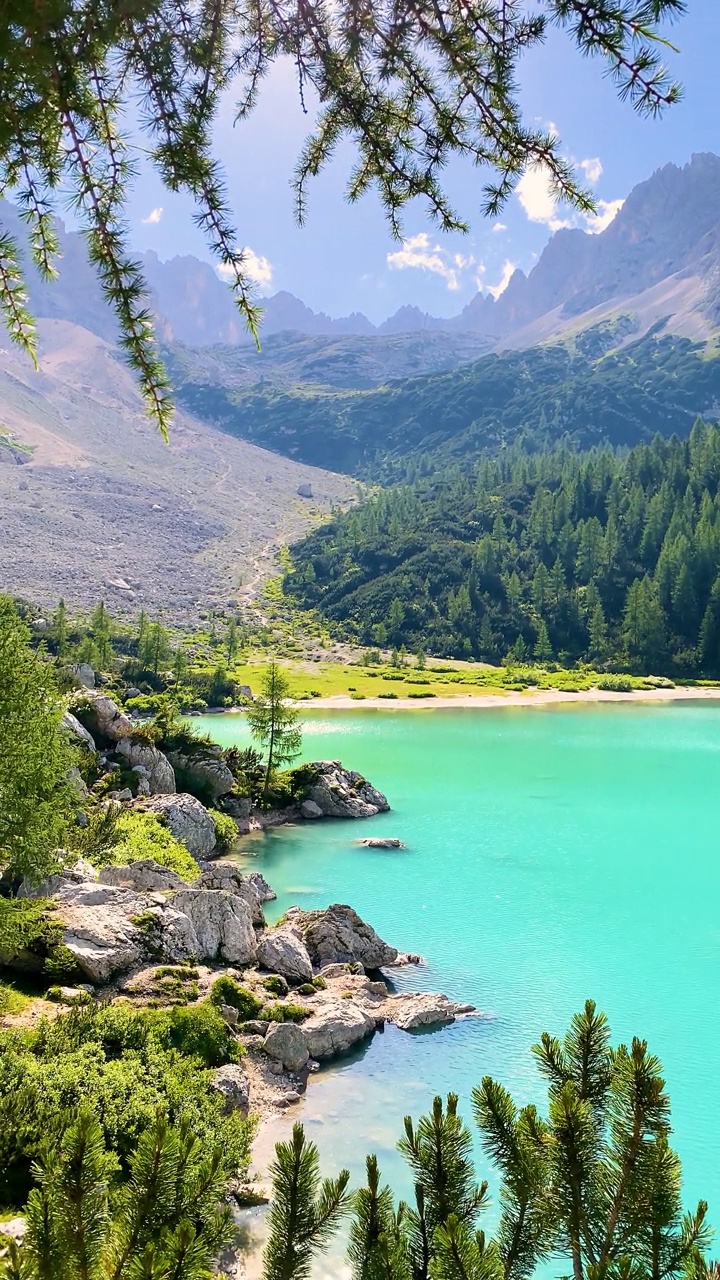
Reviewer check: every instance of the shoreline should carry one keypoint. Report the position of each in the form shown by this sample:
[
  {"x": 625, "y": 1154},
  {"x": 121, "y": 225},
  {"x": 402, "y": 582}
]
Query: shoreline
[{"x": 511, "y": 698}]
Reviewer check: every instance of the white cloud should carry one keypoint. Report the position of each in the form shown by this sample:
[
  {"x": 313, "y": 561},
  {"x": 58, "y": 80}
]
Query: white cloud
[
  {"x": 537, "y": 199},
  {"x": 499, "y": 226},
  {"x": 605, "y": 211},
  {"x": 153, "y": 217},
  {"x": 592, "y": 169},
  {"x": 255, "y": 266},
  {"x": 507, "y": 274},
  {"x": 417, "y": 252}
]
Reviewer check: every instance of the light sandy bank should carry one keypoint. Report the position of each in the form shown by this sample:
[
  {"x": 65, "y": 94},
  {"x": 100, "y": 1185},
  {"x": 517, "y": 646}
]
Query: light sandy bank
[{"x": 529, "y": 698}]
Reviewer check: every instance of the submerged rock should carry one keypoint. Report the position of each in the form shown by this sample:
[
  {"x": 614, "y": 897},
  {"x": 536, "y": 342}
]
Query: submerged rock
[
  {"x": 337, "y": 935},
  {"x": 342, "y": 793},
  {"x": 382, "y": 842}
]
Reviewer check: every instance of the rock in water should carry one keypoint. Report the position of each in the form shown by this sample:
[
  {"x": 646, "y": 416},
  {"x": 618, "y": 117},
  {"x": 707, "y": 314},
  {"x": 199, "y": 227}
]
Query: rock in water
[
  {"x": 342, "y": 793},
  {"x": 337, "y": 935},
  {"x": 188, "y": 820},
  {"x": 158, "y": 770},
  {"x": 309, "y": 809},
  {"x": 283, "y": 951},
  {"x": 286, "y": 1044},
  {"x": 382, "y": 842}
]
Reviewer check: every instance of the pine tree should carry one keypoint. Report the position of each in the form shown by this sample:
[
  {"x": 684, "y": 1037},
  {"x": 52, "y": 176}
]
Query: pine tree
[
  {"x": 167, "y": 1223},
  {"x": 304, "y": 1211},
  {"x": 60, "y": 629},
  {"x": 597, "y": 633},
  {"x": 420, "y": 662},
  {"x": 378, "y": 1247},
  {"x": 37, "y": 800},
  {"x": 273, "y": 723},
  {"x": 231, "y": 641},
  {"x": 543, "y": 649},
  {"x": 101, "y": 633}
]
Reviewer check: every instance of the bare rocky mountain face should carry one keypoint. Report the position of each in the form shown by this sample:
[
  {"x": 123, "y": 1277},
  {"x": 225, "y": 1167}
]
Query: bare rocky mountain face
[{"x": 94, "y": 505}]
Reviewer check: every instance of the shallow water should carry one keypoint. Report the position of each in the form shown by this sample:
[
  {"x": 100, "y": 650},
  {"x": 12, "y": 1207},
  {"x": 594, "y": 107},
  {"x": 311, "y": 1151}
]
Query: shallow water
[{"x": 553, "y": 854}]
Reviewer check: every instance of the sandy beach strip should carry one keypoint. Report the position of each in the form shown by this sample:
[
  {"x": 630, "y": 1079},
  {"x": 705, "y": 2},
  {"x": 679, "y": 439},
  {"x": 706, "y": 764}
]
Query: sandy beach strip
[{"x": 511, "y": 698}]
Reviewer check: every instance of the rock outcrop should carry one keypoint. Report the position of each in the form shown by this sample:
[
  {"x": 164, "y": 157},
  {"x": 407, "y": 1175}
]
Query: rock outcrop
[
  {"x": 222, "y": 922},
  {"x": 342, "y": 793},
  {"x": 337, "y": 935},
  {"x": 283, "y": 951},
  {"x": 335, "y": 1026},
  {"x": 99, "y": 927},
  {"x": 224, "y": 875},
  {"x": 147, "y": 760},
  {"x": 145, "y": 876},
  {"x": 426, "y": 1009},
  {"x": 102, "y": 717},
  {"x": 77, "y": 730},
  {"x": 188, "y": 820},
  {"x": 208, "y": 767}
]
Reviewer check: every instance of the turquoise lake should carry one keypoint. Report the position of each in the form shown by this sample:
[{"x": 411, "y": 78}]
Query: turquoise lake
[{"x": 554, "y": 854}]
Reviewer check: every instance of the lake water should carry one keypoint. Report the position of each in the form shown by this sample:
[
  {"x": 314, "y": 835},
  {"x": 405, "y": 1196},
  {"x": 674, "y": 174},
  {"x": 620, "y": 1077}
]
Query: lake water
[{"x": 554, "y": 854}]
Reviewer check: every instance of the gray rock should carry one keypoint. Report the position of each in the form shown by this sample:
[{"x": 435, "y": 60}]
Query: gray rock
[
  {"x": 305, "y": 490},
  {"x": 98, "y": 927},
  {"x": 145, "y": 876},
  {"x": 225, "y": 875},
  {"x": 133, "y": 693},
  {"x": 78, "y": 730},
  {"x": 123, "y": 796},
  {"x": 309, "y": 809},
  {"x": 255, "y": 1027},
  {"x": 337, "y": 935},
  {"x": 102, "y": 717},
  {"x": 427, "y": 1009},
  {"x": 264, "y": 891},
  {"x": 336, "y": 1025},
  {"x": 342, "y": 793},
  {"x": 222, "y": 922},
  {"x": 283, "y": 951},
  {"x": 15, "y": 1229},
  {"x": 286, "y": 1044},
  {"x": 229, "y": 1014},
  {"x": 188, "y": 820},
  {"x": 159, "y": 771},
  {"x": 83, "y": 673},
  {"x": 382, "y": 842},
  {"x": 209, "y": 767},
  {"x": 231, "y": 1082},
  {"x": 73, "y": 995}
]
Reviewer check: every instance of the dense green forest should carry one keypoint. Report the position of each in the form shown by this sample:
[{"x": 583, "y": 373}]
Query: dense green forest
[
  {"x": 584, "y": 393},
  {"x": 606, "y": 556}
]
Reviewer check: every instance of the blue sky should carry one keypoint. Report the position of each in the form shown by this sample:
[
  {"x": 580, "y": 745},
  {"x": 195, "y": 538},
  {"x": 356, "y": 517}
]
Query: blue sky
[{"x": 345, "y": 259}]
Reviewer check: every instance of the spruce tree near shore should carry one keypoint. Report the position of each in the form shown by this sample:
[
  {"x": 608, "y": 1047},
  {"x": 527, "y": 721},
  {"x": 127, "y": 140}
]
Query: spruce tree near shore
[
  {"x": 274, "y": 723},
  {"x": 594, "y": 1182}
]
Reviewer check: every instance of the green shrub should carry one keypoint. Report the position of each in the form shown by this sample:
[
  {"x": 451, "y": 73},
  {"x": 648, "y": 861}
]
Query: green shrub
[
  {"x": 277, "y": 985},
  {"x": 142, "y": 835},
  {"x": 283, "y": 1013},
  {"x": 124, "y": 1064},
  {"x": 226, "y": 831},
  {"x": 27, "y": 925},
  {"x": 12, "y": 1001},
  {"x": 616, "y": 684},
  {"x": 226, "y": 990},
  {"x": 319, "y": 983},
  {"x": 307, "y": 989}
]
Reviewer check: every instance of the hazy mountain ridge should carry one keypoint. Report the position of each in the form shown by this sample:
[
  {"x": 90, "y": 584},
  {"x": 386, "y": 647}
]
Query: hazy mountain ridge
[{"x": 659, "y": 257}]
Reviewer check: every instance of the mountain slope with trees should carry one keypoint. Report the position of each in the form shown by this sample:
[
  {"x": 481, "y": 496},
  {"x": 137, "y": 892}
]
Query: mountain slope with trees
[
  {"x": 597, "y": 388},
  {"x": 601, "y": 556}
]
